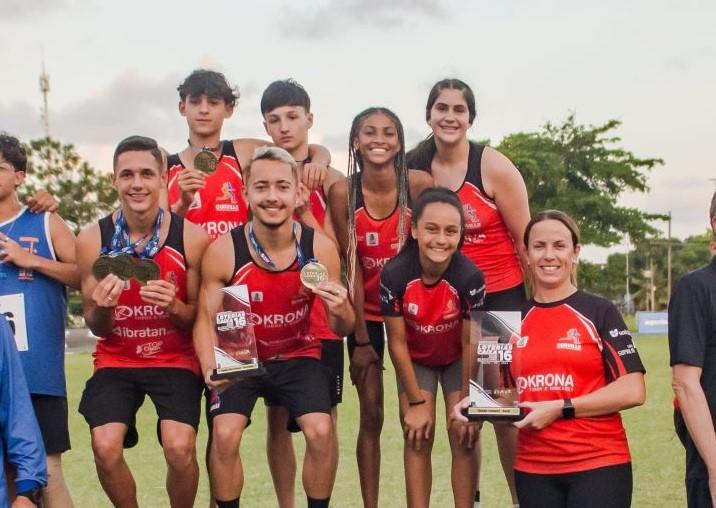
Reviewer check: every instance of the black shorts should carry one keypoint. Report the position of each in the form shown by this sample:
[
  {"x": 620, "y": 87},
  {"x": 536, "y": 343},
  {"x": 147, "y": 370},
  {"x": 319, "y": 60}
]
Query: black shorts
[
  {"x": 376, "y": 335},
  {"x": 507, "y": 299},
  {"x": 301, "y": 385},
  {"x": 609, "y": 486},
  {"x": 332, "y": 357},
  {"x": 114, "y": 395},
  {"x": 51, "y": 413}
]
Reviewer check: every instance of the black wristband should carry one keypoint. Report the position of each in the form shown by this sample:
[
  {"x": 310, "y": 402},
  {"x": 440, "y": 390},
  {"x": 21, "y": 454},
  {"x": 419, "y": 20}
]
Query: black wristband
[
  {"x": 568, "y": 409},
  {"x": 362, "y": 344},
  {"x": 416, "y": 403}
]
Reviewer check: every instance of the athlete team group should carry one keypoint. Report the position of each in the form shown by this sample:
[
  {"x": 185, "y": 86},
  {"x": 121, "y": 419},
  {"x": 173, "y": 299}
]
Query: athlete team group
[{"x": 412, "y": 244}]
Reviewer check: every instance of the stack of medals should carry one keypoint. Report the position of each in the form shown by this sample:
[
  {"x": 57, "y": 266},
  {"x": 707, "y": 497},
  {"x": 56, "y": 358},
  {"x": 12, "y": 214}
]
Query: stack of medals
[{"x": 121, "y": 258}]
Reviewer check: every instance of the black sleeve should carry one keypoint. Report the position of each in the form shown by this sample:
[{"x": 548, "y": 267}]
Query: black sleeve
[
  {"x": 618, "y": 350},
  {"x": 688, "y": 323},
  {"x": 391, "y": 294},
  {"x": 472, "y": 292}
]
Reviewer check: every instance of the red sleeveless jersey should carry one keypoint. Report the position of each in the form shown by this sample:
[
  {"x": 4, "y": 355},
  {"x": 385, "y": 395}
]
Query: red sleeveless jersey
[
  {"x": 143, "y": 335},
  {"x": 376, "y": 243},
  {"x": 280, "y": 303},
  {"x": 433, "y": 314},
  {"x": 487, "y": 241},
  {"x": 567, "y": 349},
  {"x": 219, "y": 206},
  {"x": 319, "y": 318}
]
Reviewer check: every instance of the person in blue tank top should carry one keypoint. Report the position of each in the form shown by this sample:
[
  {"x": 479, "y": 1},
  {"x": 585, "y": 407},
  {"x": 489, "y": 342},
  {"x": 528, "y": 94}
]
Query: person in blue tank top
[{"x": 37, "y": 261}]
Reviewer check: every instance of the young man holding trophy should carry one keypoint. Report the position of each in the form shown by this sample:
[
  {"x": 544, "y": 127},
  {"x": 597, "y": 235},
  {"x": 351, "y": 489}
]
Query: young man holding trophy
[
  {"x": 283, "y": 266},
  {"x": 140, "y": 278}
]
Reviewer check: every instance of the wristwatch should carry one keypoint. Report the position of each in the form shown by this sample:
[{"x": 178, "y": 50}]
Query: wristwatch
[
  {"x": 568, "y": 409},
  {"x": 34, "y": 495}
]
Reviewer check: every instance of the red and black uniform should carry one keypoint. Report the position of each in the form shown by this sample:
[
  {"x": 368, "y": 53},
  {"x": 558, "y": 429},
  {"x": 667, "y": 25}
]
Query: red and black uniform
[
  {"x": 433, "y": 313},
  {"x": 280, "y": 313},
  {"x": 219, "y": 206},
  {"x": 145, "y": 354},
  {"x": 571, "y": 348},
  {"x": 487, "y": 241}
]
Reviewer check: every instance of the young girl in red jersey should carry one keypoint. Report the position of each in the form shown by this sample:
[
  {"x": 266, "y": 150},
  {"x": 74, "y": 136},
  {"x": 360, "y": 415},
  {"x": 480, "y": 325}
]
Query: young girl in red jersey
[
  {"x": 427, "y": 293},
  {"x": 370, "y": 214},
  {"x": 578, "y": 368},
  {"x": 494, "y": 200}
]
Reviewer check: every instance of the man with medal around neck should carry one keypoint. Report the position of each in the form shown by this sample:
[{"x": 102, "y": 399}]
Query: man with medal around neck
[
  {"x": 146, "y": 346},
  {"x": 214, "y": 198},
  {"x": 37, "y": 261},
  {"x": 267, "y": 255}
]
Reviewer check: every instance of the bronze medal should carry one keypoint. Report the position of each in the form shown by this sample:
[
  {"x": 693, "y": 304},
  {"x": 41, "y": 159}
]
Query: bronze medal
[
  {"x": 312, "y": 274},
  {"x": 206, "y": 161},
  {"x": 146, "y": 270},
  {"x": 123, "y": 266},
  {"x": 102, "y": 267}
]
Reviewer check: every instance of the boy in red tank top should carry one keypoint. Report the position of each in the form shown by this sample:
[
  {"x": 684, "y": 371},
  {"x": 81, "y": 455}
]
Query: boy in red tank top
[
  {"x": 146, "y": 346},
  {"x": 267, "y": 255},
  {"x": 286, "y": 108}
]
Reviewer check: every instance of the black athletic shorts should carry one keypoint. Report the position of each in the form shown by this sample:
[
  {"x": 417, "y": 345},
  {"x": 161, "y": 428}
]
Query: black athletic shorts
[
  {"x": 507, "y": 299},
  {"x": 603, "y": 487},
  {"x": 301, "y": 385},
  {"x": 114, "y": 395},
  {"x": 51, "y": 413},
  {"x": 376, "y": 334}
]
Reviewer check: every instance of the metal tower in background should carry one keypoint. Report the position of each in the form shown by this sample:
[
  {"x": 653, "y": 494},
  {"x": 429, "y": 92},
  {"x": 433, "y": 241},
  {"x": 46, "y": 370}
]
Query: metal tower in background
[{"x": 45, "y": 89}]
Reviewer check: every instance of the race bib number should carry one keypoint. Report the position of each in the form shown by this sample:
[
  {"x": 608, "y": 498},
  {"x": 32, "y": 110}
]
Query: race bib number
[{"x": 13, "y": 308}]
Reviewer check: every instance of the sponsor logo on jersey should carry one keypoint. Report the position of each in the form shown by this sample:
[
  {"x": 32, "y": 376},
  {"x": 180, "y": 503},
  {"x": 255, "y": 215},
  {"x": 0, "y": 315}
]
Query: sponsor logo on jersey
[
  {"x": 413, "y": 309},
  {"x": 138, "y": 312},
  {"x": 616, "y": 333},
  {"x": 472, "y": 221},
  {"x": 279, "y": 319},
  {"x": 432, "y": 329},
  {"x": 451, "y": 310},
  {"x": 370, "y": 263},
  {"x": 257, "y": 296},
  {"x": 227, "y": 202},
  {"x": 372, "y": 239},
  {"x": 196, "y": 202},
  {"x": 570, "y": 341},
  {"x": 546, "y": 382},
  {"x": 149, "y": 348},
  {"x": 629, "y": 350},
  {"x": 127, "y": 332},
  {"x": 219, "y": 227},
  {"x": 522, "y": 341}
]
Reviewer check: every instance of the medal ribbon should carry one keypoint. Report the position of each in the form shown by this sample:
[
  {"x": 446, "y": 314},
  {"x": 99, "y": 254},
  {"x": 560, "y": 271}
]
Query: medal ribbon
[
  {"x": 121, "y": 243},
  {"x": 300, "y": 257}
]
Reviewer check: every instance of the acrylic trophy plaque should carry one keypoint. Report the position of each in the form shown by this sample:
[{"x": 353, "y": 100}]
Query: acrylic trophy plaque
[
  {"x": 492, "y": 391},
  {"x": 235, "y": 349}
]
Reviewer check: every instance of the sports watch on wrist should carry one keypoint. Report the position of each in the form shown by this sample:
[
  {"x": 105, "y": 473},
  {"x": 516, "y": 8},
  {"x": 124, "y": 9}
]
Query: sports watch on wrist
[{"x": 568, "y": 409}]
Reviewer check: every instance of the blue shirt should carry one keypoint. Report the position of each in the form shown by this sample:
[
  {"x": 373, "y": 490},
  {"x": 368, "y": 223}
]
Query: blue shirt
[
  {"x": 35, "y": 306},
  {"x": 22, "y": 444}
]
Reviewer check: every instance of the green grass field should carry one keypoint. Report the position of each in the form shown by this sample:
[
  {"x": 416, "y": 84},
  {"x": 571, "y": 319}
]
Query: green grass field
[{"x": 658, "y": 458}]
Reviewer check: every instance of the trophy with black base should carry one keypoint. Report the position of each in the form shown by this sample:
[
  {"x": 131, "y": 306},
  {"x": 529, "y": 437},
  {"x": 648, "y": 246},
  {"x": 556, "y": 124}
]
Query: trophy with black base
[
  {"x": 235, "y": 350},
  {"x": 492, "y": 390}
]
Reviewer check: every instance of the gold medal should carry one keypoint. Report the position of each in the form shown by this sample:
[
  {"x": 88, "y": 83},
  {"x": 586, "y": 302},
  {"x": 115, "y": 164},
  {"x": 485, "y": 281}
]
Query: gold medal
[
  {"x": 206, "y": 161},
  {"x": 312, "y": 274},
  {"x": 146, "y": 270},
  {"x": 102, "y": 267},
  {"x": 123, "y": 266}
]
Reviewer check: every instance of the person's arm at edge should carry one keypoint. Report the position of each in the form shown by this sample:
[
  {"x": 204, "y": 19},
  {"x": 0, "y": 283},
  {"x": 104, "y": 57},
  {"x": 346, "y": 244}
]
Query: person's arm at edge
[
  {"x": 504, "y": 183},
  {"x": 20, "y": 432}
]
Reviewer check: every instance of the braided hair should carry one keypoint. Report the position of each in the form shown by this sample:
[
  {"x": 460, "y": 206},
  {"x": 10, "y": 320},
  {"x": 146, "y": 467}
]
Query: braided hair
[{"x": 355, "y": 166}]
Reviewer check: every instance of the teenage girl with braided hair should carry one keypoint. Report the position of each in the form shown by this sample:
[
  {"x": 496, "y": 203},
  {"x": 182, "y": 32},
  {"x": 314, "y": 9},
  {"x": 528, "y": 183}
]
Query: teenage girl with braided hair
[
  {"x": 371, "y": 216},
  {"x": 496, "y": 210}
]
